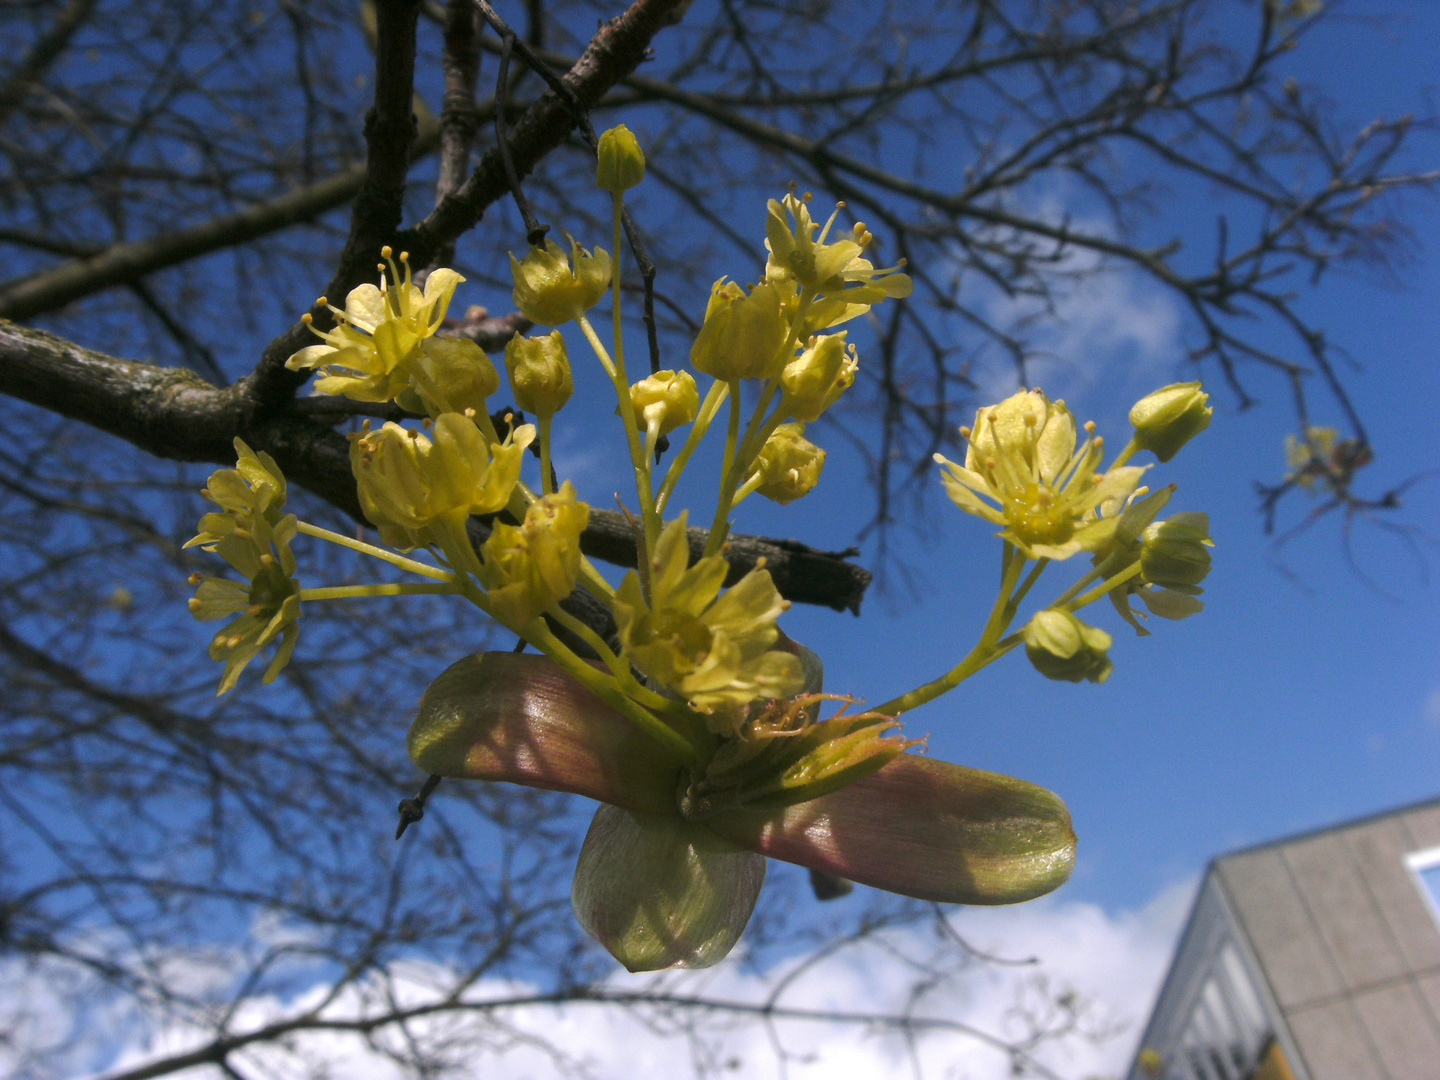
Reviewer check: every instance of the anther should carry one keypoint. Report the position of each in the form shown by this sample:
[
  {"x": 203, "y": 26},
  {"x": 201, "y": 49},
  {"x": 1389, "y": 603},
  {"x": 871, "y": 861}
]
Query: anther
[
  {"x": 760, "y": 562},
  {"x": 1090, "y": 427},
  {"x": 387, "y": 251},
  {"x": 254, "y": 609},
  {"x": 964, "y": 432},
  {"x": 307, "y": 318},
  {"x": 195, "y": 578},
  {"x": 193, "y": 604},
  {"x": 323, "y": 301},
  {"x": 267, "y": 560},
  {"x": 470, "y": 412}
]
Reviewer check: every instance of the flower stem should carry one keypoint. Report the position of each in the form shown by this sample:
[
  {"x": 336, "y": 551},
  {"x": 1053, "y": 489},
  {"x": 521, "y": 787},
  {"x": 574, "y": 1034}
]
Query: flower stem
[
  {"x": 547, "y": 475},
  {"x": 719, "y": 390},
  {"x": 1131, "y": 448},
  {"x": 345, "y": 592},
  {"x": 605, "y": 687},
  {"x": 987, "y": 649},
  {"x": 1104, "y": 587},
  {"x": 379, "y": 553}
]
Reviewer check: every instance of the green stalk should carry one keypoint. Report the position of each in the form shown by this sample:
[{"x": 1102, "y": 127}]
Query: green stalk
[
  {"x": 608, "y": 690},
  {"x": 709, "y": 407},
  {"x": 1104, "y": 587},
  {"x": 1012, "y": 563},
  {"x": 345, "y": 592},
  {"x": 547, "y": 476},
  {"x": 377, "y": 552}
]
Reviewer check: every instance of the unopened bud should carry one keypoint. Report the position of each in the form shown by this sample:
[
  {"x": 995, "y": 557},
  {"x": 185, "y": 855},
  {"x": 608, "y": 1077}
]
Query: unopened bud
[
  {"x": 539, "y": 370},
  {"x": 1062, "y": 647},
  {"x": 621, "y": 162},
  {"x": 1170, "y": 417},
  {"x": 552, "y": 288},
  {"x": 815, "y": 379},
  {"x": 668, "y": 398},
  {"x": 789, "y": 464},
  {"x": 742, "y": 334},
  {"x": 1175, "y": 553}
]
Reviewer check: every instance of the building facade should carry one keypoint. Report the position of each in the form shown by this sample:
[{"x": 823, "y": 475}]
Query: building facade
[{"x": 1312, "y": 958}]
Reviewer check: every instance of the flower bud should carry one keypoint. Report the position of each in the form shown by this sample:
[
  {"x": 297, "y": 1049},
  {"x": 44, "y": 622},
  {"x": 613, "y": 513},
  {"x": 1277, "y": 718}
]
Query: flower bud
[
  {"x": 528, "y": 568},
  {"x": 815, "y": 379},
  {"x": 539, "y": 370},
  {"x": 551, "y": 288},
  {"x": 417, "y": 492},
  {"x": 452, "y": 375},
  {"x": 621, "y": 162},
  {"x": 1170, "y": 417},
  {"x": 667, "y": 398},
  {"x": 1175, "y": 553},
  {"x": 742, "y": 335},
  {"x": 1062, "y": 647},
  {"x": 789, "y": 464}
]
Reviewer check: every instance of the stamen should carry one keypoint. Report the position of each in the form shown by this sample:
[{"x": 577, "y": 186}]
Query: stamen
[
  {"x": 195, "y": 578},
  {"x": 965, "y": 433},
  {"x": 193, "y": 604},
  {"x": 267, "y": 560},
  {"x": 254, "y": 609}
]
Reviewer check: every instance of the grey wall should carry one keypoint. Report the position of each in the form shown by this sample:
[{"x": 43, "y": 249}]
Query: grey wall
[{"x": 1348, "y": 945}]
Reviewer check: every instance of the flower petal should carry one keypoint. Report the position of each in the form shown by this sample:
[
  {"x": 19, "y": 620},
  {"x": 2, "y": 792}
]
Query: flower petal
[
  {"x": 923, "y": 828},
  {"x": 519, "y": 717},
  {"x": 660, "y": 892}
]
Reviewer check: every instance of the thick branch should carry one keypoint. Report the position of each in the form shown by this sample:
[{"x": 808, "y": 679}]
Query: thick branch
[
  {"x": 173, "y": 413},
  {"x": 614, "y": 52}
]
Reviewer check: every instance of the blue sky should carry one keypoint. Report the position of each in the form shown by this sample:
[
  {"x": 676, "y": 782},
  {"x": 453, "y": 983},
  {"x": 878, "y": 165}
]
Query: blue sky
[
  {"x": 1291, "y": 702},
  {"x": 1288, "y": 704}
]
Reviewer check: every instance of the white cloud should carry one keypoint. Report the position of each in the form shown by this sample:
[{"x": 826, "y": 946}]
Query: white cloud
[
  {"x": 1104, "y": 320},
  {"x": 1111, "y": 963}
]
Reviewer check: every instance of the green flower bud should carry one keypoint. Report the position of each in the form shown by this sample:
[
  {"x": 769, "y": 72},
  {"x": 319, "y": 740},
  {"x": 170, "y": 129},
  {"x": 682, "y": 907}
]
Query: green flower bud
[
  {"x": 742, "y": 335},
  {"x": 668, "y": 398},
  {"x": 1175, "y": 553},
  {"x": 1062, "y": 647},
  {"x": 451, "y": 375},
  {"x": 621, "y": 162},
  {"x": 552, "y": 288},
  {"x": 529, "y": 567},
  {"x": 1170, "y": 417},
  {"x": 815, "y": 379},
  {"x": 789, "y": 465},
  {"x": 539, "y": 370}
]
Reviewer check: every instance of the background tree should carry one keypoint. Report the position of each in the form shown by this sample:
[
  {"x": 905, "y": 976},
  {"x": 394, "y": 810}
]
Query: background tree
[{"x": 178, "y": 177}]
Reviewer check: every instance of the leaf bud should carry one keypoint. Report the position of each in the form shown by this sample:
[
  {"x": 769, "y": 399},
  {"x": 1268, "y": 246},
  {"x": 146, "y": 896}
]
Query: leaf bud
[
  {"x": 667, "y": 398},
  {"x": 1170, "y": 417},
  {"x": 539, "y": 370},
  {"x": 789, "y": 465},
  {"x": 1064, "y": 648},
  {"x": 620, "y": 161}
]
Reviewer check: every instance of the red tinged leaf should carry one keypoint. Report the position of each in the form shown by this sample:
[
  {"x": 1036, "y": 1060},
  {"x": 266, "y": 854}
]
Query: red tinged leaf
[
  {"x": 519, "y": 717},
  {"x": 923, "y": 828}
]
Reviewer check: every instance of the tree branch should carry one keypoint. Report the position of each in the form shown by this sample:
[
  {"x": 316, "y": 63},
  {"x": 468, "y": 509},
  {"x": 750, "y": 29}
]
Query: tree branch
[{"x": 173, "y": 413}]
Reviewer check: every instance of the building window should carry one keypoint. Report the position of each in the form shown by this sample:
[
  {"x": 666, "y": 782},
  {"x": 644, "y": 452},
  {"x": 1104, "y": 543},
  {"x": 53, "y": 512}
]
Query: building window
[{"x": 1425, "y": 865}]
